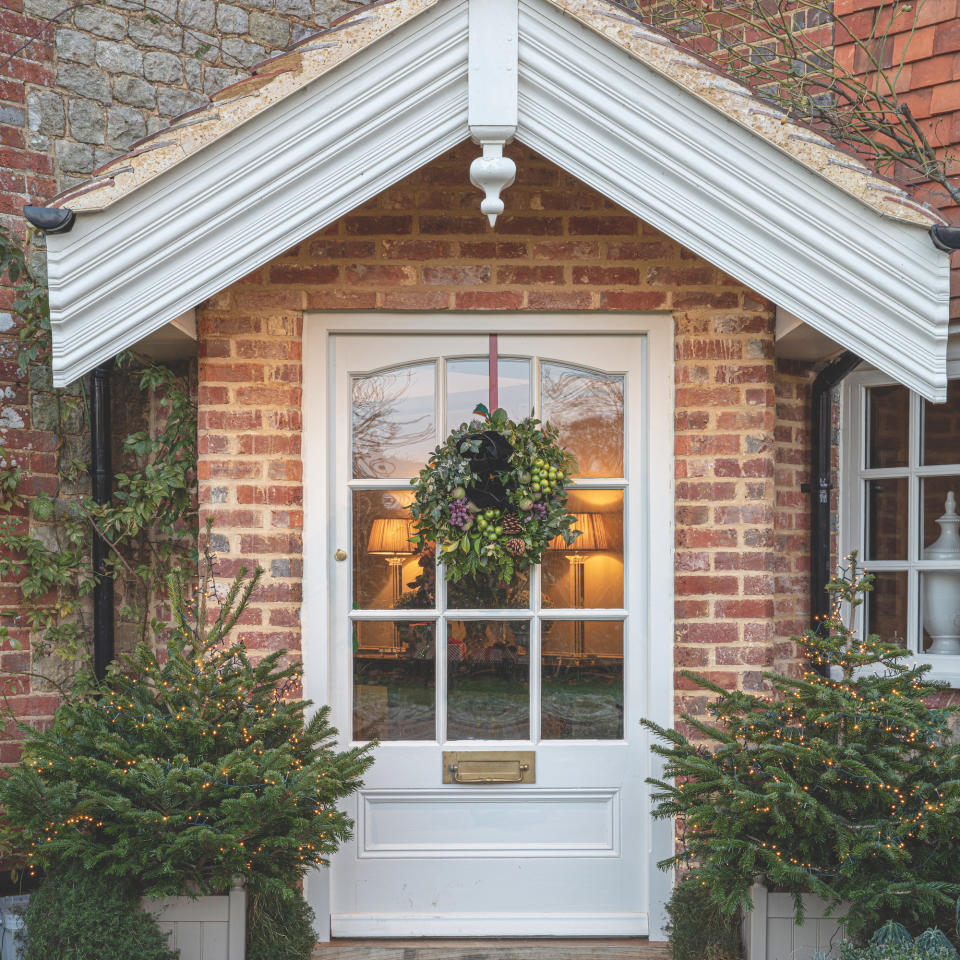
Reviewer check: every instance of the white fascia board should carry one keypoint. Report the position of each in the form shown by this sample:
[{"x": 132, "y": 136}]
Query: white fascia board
[
  {"x": 129, "y": 269},
  {"x": 878, "y": 287}
]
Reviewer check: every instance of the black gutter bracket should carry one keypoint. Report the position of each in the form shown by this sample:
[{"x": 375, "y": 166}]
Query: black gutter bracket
[
  {"x": 50, "y": 219},
  {"x": 945, "y": 238}
]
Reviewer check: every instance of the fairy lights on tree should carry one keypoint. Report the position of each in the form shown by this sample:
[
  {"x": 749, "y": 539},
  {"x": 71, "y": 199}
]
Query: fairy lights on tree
[
  {"x": 842, "y": 783},
  {"x": 178, "y": 773}
]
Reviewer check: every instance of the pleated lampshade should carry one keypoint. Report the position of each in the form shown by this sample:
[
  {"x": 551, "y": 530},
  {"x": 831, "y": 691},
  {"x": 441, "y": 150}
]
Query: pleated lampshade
[
  {"x": 593, "y": 535},
  {"x": 390, "y": 536}
]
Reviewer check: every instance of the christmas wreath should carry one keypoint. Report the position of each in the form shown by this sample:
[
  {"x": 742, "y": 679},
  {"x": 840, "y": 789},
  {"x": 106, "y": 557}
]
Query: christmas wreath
[{"x": 493, "y": 495}]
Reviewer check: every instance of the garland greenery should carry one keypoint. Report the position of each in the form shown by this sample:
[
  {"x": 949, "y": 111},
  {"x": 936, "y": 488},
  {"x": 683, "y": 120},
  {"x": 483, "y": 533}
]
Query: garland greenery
[{"x": 493, "y": 496}]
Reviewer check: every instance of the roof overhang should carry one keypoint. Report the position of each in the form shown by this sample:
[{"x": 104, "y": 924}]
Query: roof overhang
[{"x": 661, "y": 149}]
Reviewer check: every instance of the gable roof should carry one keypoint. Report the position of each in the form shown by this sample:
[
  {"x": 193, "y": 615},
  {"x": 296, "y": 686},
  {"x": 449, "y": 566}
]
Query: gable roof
[
  {"x": 351, "y": 110},
  {"x": 286, "y": 73}
]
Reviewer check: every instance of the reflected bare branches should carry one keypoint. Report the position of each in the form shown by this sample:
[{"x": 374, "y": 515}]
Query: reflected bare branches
[
  {"x": 587, "y": 409},
  {"x": 393, "y": 422}
]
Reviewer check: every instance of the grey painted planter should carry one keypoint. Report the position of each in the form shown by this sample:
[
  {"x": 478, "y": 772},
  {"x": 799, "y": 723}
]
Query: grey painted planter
[
  {"x": 769, "y": 932},
  {"x": 208, "y": 928}
]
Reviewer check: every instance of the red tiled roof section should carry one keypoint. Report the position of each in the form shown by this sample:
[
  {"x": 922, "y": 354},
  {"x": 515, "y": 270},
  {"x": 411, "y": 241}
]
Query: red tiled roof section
[{"x": 929, "y": 83}]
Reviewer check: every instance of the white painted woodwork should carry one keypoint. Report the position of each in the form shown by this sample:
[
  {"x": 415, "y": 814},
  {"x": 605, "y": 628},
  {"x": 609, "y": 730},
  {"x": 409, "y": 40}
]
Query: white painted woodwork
[
  {"x": 205, "y": 928},
  {"x": 873, "y": 285},
  {"x": 770, "y": 933},
  {"x": 186, "y": 323},
  {"x": 492, "y": 97},
  {"x": 854, "y": 510},
  {"x": 575, "y": 853},
  {"x": 492, "y": 50},
  {"x": 876, "y": 287}
]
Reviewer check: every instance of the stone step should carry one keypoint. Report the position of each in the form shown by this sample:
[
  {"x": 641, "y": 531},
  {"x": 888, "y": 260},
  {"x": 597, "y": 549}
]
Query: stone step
[{"x": 544, "y": 948}]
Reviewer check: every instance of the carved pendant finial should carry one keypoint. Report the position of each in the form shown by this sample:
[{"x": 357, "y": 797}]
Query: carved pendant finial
[{"x": 492, "y": 173}]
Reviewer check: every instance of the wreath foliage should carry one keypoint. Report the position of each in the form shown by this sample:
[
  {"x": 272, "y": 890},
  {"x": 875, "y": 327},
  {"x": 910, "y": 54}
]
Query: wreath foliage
[{"x": 493, "y": 495}]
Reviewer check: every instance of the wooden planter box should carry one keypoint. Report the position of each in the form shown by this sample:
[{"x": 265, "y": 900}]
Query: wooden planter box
[
  {"x": 208, "y": 928},
  {"x": 769, "y": 932}
]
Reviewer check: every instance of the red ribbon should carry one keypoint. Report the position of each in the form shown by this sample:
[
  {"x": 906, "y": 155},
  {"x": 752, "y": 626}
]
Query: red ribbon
[{"x": 494, "y": 374}]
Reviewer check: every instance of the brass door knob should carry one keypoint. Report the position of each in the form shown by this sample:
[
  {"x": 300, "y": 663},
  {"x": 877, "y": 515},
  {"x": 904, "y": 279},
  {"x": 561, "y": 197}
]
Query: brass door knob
[{"x": 340, "y": 555}]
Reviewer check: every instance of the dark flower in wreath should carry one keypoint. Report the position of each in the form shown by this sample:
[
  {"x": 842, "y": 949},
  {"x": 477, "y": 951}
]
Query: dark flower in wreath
[{"x": 487, "y": 464}]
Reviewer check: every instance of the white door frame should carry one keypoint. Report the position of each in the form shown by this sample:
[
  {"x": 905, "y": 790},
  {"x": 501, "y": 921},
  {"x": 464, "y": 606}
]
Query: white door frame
[{"x": 658, "y": 547}]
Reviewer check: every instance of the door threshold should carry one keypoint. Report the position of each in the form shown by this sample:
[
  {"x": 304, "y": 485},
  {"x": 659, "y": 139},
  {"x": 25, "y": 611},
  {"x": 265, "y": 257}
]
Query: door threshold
[{"x": 493, "y": 948}]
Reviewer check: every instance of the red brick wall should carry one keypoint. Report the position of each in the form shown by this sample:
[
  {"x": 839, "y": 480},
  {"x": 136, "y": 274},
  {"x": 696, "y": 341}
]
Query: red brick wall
[
  {"x": 25, "y": 176},
  {"x": 792, "y": 539},
  {"x": 423, "y": 245}
]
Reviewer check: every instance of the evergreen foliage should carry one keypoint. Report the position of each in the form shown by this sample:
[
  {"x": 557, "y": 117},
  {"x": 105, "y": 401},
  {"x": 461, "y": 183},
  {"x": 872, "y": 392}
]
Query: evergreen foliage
[
  {"x": 78, "y": 914},
  {"x": 844, "y": 784},
  {"x": 279, "y": 927},
  {"x": 697, "y": 928},
  {"x": 176, "y": 774}
]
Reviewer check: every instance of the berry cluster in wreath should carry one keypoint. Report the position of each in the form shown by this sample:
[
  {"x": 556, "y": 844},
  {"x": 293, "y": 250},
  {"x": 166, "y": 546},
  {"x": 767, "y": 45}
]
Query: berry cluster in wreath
[{"x": 493, "y": 496}]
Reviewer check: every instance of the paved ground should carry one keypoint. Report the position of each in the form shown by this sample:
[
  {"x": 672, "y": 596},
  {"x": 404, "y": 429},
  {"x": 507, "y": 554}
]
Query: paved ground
[{"x": 488, "y": 949}]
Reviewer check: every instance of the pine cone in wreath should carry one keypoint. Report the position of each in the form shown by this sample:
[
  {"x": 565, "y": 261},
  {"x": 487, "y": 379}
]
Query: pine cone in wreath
[
  {"x": 516, "y": 546},
  {"x": 512, "y": 524}
]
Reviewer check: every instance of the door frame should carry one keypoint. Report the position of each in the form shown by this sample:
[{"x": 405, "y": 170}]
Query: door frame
[{"x": 658, "y": 524}]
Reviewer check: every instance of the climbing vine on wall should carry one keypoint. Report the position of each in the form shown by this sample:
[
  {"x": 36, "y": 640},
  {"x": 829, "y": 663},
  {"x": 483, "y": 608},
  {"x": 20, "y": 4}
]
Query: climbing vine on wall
[{"x": 45, "y": 536}]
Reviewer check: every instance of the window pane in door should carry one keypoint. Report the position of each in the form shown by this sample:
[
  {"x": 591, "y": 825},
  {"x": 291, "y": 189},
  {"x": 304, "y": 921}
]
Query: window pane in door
[
  {"x": 488, "y": 680},
  {"x": 587, "y": 408},
  {"x": 581, "y": 680},
  {"x": 888, "y": 515},
  {"x": 468, "y": 383},
  {"x": 487, "y": 593},
  {"x": 888, "y": 427},
  {"x": 589, "y": 572},
  {"x": 941, "y": 429},
  {"x": 393, "y": 421},
  {"x": 393, "y": 680},
  {"x": 388, "y": 572}
]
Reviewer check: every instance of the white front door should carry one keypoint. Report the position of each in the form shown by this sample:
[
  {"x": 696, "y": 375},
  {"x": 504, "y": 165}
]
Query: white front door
[{"x": 556, "y": 664}]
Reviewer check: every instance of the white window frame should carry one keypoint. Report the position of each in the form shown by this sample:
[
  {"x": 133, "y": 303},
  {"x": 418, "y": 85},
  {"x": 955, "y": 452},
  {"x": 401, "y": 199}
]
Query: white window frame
[{"x": 854, "y": 477}]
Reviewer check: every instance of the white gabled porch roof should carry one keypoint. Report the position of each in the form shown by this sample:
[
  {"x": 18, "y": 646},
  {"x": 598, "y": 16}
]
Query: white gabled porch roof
[{"x": 321, "y": 129}]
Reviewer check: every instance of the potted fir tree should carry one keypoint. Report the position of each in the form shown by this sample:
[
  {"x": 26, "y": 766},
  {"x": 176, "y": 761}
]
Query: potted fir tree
[
  {"x": 841, "y": 784},
  {"x": 193, "y": 774}
]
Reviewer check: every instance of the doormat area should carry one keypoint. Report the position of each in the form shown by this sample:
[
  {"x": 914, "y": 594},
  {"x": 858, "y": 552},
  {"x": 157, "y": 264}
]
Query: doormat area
[{"x": 489, "y": 949}]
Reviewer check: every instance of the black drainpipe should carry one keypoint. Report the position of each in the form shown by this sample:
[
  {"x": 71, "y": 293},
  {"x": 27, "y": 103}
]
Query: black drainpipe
[
  {"x": 821, "y": 450},
  {"x": 101, "y": 477}
]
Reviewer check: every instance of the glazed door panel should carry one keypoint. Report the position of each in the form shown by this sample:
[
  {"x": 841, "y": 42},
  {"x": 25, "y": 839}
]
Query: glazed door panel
[{"x": 553, "y": 663}]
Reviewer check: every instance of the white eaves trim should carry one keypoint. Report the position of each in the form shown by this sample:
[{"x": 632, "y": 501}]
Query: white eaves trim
[
  {"x": 874, "y": 285},
  {"x": 127, "y": 270},
  {"x": 877, "y": 287}
]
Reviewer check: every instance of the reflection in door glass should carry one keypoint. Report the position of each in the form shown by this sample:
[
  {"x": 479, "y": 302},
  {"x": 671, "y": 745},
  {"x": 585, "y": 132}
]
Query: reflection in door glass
[
  {"x": 487, "y": 593},
  {"x": 388, "y": 572},
  {"x": 581, "y": 677},
  {"x": 393, "y": 680},
  {"x": 589, "y": 572},
  {"x": 468, "y": 383},
  {"x": 488, "y": 681},
  {"x": 587, "y": 408},
  {"x": 393, "y": 421}
]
